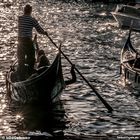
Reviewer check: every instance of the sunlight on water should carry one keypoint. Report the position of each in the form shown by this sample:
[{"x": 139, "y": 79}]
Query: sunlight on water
[
  {"x": 4, "y": 123},
  {"x": 18, "y": 116},
  {"x": 92, "y": 41}
]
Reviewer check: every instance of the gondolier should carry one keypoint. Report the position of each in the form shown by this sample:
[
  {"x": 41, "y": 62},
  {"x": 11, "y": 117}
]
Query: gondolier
[{"x": 26, "y": 50}]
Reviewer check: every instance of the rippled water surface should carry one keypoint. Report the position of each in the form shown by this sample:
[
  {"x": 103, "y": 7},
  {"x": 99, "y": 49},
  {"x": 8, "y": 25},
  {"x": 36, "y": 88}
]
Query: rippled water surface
[{"x": 92, "y": 40}]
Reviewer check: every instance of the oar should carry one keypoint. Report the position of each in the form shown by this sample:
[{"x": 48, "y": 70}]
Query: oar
[{"x": 91, "y": 86}]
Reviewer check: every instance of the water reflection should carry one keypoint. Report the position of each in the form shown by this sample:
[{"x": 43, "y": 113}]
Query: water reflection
[
  {"x": 37, "y": 120},
  {"x": 93, "y": 42},
  {"x": 4, "y": 120}
]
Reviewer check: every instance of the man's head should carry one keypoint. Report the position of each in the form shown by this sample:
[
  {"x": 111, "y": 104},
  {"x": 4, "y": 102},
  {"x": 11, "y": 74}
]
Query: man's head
[{"x": 27, "y": 9}]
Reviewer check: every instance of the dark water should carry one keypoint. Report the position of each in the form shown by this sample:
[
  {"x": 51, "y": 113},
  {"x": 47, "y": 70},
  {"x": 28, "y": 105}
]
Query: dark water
[{"x": 92, "y": 40}]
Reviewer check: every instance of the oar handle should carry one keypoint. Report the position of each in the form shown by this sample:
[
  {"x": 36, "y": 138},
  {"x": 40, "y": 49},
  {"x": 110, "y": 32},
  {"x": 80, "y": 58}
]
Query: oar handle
[{"x": 91, "y": 86}]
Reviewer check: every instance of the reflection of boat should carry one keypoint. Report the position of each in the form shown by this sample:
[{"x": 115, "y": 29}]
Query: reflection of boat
[
  {"x": 48, "y": 118},
  {"x": 125, "y": 15},
  {"x": 43, "y": 87},
  {"x": 130, "y": 62}
]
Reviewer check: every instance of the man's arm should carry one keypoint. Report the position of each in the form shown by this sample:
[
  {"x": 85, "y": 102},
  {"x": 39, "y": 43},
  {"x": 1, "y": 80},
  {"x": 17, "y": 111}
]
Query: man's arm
[
  {"x": 73, "y": 76},
  {"x": 38, "y": 28}
]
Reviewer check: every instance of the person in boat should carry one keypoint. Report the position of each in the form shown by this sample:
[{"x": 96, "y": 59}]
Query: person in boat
[
  {"x": 42, "y": 59},
  {"x": 67, "y": 82},
  {"x": 26, "y": 50}
]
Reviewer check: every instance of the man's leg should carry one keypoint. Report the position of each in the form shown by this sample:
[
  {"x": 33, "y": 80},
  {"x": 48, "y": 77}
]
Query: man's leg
[
  {"x": 30, "y": 60},
  {"x": 21, "y": 62}
]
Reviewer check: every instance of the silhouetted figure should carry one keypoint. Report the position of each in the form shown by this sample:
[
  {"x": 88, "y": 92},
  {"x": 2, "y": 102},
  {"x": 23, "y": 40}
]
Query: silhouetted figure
[
  {"x": 42, "y": 59},
  {"x": 26, "y": 50},
  {"x": 73, "y": 79}
]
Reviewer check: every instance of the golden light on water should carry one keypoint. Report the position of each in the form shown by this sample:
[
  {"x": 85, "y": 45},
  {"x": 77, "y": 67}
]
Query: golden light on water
[
  {"x": 2, "y": 76},
  {"x": 6, "y": 127},
  {"x": 1, "y": 90},
  {"x": 103, "y": 14},
  {"x": 18, "y": 116},
  {"x": 2, "y": 101},
  {"x": 81, "y": 33},
  {"x": 1, "y": 133},
  {"x": 3, "y": 106}
]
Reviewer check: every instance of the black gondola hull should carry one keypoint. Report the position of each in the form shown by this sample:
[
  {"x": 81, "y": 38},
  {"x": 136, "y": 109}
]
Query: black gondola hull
[
  {"x": 43, "y": 87},
  {"x": 130, "y": 63}
]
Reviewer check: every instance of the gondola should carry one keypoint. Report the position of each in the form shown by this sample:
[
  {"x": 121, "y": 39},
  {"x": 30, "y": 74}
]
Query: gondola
[
  {"x": 130, "y": 62},
  {"x": 125, "y": 14},
  {"x": 44, "y": 87}
]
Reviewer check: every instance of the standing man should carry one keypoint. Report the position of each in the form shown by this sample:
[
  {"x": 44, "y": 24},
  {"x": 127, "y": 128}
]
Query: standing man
[{"x": 26, "y": 50}]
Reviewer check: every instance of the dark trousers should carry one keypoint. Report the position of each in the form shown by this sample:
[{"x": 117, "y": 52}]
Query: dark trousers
[{"x": 25, "y": 55}]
